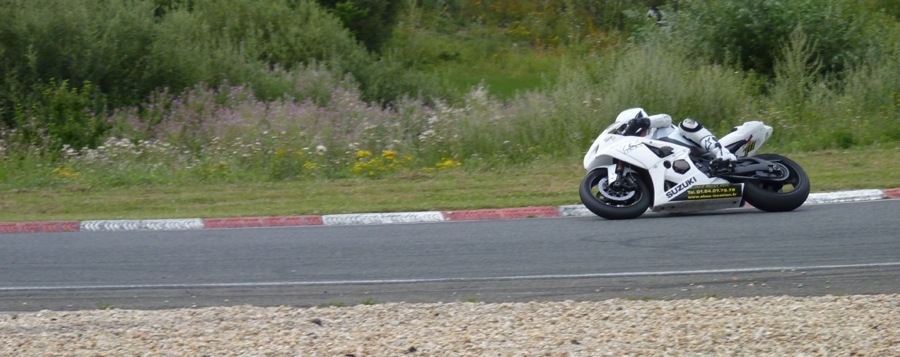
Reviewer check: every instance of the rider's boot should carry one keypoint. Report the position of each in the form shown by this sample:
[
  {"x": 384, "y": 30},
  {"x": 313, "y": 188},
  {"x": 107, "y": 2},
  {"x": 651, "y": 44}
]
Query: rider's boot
[
  {"x": 712, "y": 145},
  {"x": 724, "y": 160},
  {"x": 723, "y": 164}
]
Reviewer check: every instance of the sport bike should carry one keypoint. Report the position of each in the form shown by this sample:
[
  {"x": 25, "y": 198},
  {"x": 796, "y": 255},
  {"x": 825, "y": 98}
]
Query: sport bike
[{"x": 662, "y": 171}]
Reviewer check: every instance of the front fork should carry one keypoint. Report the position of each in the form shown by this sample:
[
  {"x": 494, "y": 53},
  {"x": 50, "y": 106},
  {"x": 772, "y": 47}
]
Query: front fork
[{"x": 618, "y": 180}]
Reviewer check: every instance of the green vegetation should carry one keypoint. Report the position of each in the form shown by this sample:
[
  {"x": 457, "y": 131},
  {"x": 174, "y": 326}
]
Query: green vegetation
[{"x": 178, "y": 108}]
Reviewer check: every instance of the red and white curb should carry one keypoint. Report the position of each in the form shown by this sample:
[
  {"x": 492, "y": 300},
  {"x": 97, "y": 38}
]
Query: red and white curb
[{"x": 367, "y": 218}]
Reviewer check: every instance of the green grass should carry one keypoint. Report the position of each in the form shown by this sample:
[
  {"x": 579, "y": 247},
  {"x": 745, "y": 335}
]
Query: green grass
[
  {"x": 505, "y": 74},
  {"x": 537, "y": 184},
  {"x": 857, "y": 168}
]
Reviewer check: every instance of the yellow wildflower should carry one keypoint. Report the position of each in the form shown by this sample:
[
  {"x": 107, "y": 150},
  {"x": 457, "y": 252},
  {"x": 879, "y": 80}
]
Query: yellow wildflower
[
  {"x": 448, "y": 163},
  {"x": 66, "y": 173},
  {"x": 389, "y": 154}
]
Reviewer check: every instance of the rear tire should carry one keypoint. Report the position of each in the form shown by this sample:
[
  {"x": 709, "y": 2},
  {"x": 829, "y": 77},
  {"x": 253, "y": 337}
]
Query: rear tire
[
  {"x": 780, "y": 196},
  {"x": 608, "y": 203}
]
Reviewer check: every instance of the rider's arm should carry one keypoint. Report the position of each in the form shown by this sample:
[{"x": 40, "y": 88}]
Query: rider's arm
[{"x": 660, "y": 120}]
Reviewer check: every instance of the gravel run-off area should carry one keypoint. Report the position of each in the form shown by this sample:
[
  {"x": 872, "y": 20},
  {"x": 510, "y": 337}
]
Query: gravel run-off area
[{"x": 864, "y": 325}]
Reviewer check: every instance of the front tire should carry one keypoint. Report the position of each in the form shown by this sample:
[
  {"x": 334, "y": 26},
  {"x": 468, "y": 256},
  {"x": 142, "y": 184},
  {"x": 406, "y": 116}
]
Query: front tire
[
  {"x": 779, "y": 196},
  {"x": 611, "y": 203}
]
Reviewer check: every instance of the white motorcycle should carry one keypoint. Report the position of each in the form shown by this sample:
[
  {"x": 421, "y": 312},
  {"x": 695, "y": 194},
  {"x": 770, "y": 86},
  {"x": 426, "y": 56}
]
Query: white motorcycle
[{"x": 659, "y": 169}]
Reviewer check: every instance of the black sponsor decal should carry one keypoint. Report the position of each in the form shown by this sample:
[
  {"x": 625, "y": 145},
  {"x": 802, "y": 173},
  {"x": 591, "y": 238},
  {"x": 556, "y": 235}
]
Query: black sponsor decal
[
  {"x": 681, "y": 187},
  {"x": 750, "y": 145}
]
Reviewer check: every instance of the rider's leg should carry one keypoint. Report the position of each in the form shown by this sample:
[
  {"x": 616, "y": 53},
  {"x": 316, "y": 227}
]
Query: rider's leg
[{"x": 695, "y": 132}]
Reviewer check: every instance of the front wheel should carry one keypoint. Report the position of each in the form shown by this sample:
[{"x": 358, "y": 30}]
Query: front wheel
[
  {"x": 628, "y": 198},
  {"x": 779, "y": 196}
]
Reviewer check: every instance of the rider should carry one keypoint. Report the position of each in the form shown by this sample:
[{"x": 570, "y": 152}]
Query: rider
[{"x": 688, "y": 129}]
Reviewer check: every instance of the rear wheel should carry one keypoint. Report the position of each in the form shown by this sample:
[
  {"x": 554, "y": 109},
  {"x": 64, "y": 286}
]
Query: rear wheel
[
  {"x": 627, "y": 199},
  {"x": 779, "y": 196}
]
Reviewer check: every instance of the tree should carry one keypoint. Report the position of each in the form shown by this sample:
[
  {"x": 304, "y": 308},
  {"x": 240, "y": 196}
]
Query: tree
[
  {"x": 751, "y": 33},
  {"x": 371, "y": 21}
]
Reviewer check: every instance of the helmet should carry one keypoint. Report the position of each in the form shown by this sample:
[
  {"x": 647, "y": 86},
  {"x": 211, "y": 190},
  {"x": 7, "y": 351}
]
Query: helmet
[{"x": 628, "y": 114}]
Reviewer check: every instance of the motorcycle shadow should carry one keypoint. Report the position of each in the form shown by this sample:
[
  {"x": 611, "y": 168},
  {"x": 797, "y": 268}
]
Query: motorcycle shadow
[{"x": 728, "y": 211}]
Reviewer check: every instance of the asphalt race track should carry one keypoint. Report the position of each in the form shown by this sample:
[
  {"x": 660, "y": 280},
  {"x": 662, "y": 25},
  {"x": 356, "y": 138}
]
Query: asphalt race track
[{"x": 838, "y": 249}]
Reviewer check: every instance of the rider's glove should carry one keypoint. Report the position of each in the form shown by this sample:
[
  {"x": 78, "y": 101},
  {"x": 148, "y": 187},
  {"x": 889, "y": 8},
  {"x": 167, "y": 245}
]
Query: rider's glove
[{"x": 636, "y": 125}]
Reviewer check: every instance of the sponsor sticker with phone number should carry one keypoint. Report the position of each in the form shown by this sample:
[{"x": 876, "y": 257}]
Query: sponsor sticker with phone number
[{"x": 701, "y": 192}]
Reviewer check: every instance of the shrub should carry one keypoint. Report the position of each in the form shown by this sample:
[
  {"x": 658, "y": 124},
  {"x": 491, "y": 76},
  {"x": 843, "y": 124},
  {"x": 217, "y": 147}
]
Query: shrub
[
  {"x": 63, "y": 116},
  {"x": 101, "y": 42},
  {"x": 371, "y": 22},
  {"x": 750, "y": 33}
]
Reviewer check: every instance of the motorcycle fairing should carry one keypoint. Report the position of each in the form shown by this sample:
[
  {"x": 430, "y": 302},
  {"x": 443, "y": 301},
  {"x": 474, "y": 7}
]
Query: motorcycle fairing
[
  {"x": 745, "y": 139},
  {"x": 704, "y": 197}
]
